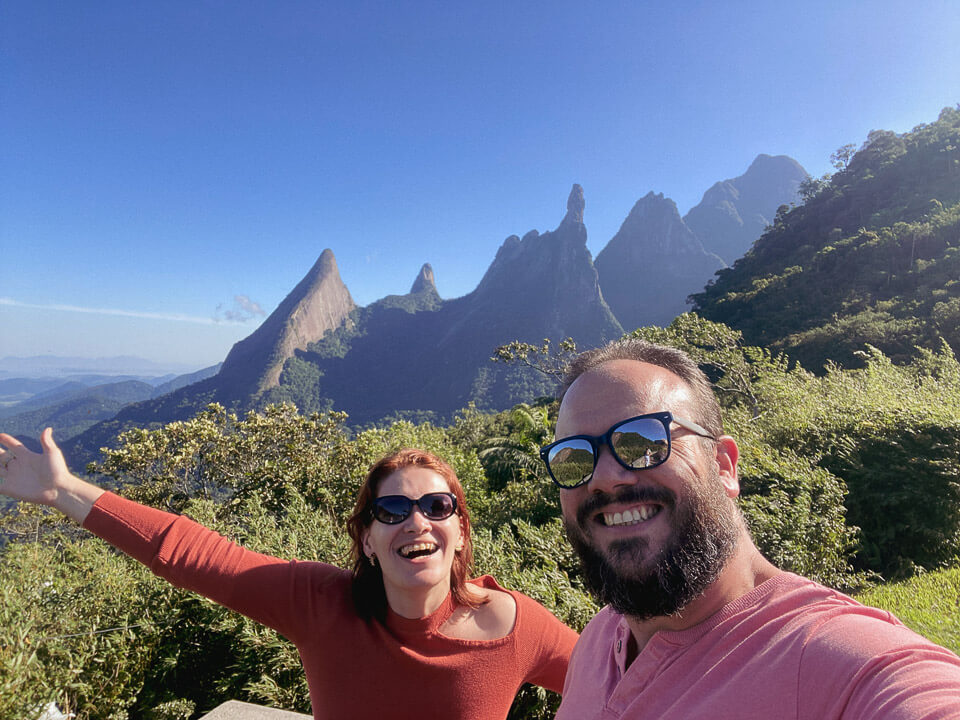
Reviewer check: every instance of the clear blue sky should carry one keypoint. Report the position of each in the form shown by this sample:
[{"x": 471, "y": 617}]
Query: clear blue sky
[{"x": 160, "y": 159}]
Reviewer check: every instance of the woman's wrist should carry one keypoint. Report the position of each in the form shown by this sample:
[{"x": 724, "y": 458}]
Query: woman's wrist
[{"x": 75, "y": 498}]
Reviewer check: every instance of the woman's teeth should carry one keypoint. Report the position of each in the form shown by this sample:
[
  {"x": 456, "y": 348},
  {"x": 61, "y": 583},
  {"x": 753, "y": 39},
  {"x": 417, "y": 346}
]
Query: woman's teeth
[{"x": 417, "y": 548}]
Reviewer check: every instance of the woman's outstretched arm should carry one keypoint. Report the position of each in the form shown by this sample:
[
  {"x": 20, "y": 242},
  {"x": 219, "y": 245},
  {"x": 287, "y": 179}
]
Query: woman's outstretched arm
[{"x": 44, "y": 478}]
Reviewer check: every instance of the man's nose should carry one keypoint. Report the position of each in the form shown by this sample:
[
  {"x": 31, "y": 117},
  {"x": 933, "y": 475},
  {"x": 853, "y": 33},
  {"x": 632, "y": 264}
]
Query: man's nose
[{"x": 609, "y": 474}]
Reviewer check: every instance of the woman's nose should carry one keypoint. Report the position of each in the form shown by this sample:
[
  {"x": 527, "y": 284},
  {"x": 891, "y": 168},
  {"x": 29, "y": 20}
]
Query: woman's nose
[{"x": 417, "y": 520}]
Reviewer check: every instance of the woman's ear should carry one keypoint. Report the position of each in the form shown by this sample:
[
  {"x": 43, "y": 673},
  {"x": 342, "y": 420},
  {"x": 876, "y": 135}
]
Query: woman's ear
[
  {"x": 463, "y": 534},
  {"x": 365, "y": 543}
]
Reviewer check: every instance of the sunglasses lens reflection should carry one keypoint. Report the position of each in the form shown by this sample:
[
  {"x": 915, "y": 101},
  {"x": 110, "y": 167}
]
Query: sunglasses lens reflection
[
  {"x": 571, "y": 462},
  {"x": 641, "y": 443},
  {"x": 392, "y": 509},
  {"x": 437, "y": 506}
]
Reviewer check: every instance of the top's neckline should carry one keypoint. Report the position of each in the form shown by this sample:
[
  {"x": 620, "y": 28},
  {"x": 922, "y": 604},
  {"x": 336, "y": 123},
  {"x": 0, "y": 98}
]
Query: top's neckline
[{"x": 428, "y": 624}]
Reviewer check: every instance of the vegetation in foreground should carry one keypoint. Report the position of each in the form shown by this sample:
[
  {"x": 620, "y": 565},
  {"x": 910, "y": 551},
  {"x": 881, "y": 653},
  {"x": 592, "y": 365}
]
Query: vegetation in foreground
[
  {"x": 927, "y": 604},
  {"x": 849, "y": 477}
]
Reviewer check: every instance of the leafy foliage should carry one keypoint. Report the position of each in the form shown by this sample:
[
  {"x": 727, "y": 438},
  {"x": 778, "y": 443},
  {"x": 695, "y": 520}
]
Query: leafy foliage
[
  {"x": 871, "y": 257},
  {"x": 856, "y": 466}
]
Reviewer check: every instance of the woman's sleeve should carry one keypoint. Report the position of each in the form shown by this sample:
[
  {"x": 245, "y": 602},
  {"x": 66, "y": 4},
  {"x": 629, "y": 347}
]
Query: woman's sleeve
[
  {"x": 546, "y": 643},
  {"x": 269, "y": 590}
]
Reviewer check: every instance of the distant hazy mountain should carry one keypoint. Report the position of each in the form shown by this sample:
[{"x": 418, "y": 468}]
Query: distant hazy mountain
[
  {"x": 16, "y": 390},
  {"x": 183, "y": 380},
  {"x": 73, "y": 409},
  {"x": 652, "y": 264},
  {"x": 656, "y": 259},
  {"x": 72, "y": 406},
  {"x": 45, "y": 366},
  {"x": 734, "y": 213}
]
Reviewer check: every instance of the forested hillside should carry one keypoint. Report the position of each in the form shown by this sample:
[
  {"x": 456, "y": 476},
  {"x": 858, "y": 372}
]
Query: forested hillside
[{"x": 871, "y": 257}]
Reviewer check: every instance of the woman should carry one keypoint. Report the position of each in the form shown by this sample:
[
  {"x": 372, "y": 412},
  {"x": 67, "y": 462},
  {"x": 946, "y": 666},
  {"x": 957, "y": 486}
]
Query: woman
[{"x": 404, "y": 635}]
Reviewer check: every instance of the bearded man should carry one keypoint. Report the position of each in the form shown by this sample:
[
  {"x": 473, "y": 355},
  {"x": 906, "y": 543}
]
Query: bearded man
[{"x": 697, "y": 623}]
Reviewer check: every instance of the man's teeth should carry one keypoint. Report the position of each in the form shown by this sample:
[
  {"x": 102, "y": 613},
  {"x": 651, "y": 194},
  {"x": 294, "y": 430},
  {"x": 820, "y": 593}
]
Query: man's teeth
[
  {"x": 408, "y": 550},
  {"x": 630, "y": 517}
]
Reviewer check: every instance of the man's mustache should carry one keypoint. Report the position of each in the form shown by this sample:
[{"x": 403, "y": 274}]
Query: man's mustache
[{"x": 628, "y": 494}]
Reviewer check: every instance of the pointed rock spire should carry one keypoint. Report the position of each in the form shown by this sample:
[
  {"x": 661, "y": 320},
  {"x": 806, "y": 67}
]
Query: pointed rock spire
[
  {"x": 424, "y": 280},
  {"x": 320, "y": 302},
  {"x": 575, "y": 205}
]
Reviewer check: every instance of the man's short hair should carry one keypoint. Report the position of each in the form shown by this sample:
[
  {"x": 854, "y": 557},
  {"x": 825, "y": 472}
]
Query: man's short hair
[{"x": 676, "y": 361}]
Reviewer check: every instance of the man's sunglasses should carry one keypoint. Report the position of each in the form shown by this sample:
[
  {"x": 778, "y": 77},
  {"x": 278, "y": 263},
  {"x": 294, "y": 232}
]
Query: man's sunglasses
[
  {"x": 639, "y": 443},
  {"x": 393, "y": 509}
]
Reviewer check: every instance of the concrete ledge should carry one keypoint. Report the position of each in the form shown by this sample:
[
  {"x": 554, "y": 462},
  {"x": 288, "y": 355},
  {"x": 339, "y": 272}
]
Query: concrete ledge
[{"x": 236, "y": 710}]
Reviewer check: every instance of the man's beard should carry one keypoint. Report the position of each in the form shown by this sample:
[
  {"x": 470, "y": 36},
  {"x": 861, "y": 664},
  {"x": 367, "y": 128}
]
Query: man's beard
[{"x": 706, "y": 527}]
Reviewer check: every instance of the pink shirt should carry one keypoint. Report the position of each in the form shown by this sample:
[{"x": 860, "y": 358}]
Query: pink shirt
[{"x": 790, "y": 648}]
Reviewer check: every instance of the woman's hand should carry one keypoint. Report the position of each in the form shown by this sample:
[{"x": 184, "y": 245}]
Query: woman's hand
[{"x": 43, "y": 478}]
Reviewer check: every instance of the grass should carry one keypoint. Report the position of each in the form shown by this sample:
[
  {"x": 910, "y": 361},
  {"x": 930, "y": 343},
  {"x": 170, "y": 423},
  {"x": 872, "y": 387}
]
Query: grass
[{"x": 928, "y": 604}]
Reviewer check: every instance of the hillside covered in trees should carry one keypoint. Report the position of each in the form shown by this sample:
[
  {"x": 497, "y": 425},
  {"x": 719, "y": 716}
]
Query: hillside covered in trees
[{"x": 872, "y": 256}]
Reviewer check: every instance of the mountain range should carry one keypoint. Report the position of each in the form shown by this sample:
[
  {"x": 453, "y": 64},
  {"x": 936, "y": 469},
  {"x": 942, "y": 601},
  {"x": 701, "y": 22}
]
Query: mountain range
[{"x": 420, "y": 356}]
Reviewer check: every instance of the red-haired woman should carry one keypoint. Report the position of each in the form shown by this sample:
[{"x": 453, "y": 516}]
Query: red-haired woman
[{"x": 405, "y": 635}]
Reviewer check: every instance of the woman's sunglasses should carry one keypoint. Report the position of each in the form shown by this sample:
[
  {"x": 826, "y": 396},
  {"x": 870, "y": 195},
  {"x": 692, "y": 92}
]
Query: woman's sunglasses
[
  {"x": 393, "y": 509},
  {"x": 638, "y": 443}
]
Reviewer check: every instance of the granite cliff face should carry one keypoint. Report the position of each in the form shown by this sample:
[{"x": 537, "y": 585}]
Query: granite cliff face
[
  {"x": 424, "y": 283},
  {"x": 652, "y": 264},
  {"x": 734, "y": 213},
  {"x": 546, "y": 285},
  {"x": 320, "y": 302},
  {"x": 438, "y": 357}
]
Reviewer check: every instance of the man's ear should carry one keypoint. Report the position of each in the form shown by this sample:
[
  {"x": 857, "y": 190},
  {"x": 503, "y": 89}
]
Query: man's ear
[{"x": 727, "y": 456}]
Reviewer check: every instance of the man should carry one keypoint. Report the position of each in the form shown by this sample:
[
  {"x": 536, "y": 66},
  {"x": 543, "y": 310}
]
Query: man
[{"x": 698, "y": 623}]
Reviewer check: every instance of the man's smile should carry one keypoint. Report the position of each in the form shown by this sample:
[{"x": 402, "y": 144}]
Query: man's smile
[{"x": 630, "y": 516}]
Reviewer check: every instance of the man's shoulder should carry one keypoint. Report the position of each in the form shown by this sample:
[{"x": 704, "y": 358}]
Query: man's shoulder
[
  {"x": 816, "y": 607},
  {"x": 834, "y": 627}
]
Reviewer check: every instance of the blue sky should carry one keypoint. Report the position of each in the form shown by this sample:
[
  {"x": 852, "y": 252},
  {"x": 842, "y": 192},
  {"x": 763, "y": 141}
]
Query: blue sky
[{"x": 169, "y": 169}]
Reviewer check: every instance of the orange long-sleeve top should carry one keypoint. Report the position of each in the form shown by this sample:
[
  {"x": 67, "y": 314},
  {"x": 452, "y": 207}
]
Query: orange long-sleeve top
[{"x": 355, "y": 668}]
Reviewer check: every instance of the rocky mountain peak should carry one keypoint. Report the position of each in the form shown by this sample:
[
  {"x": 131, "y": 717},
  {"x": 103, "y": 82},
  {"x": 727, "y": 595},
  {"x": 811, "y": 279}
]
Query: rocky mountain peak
[
  {"x": 575, "y": 206},
  {"x": 653, "y": 223},
  {"x": 550, "y": 276},
  {"x": 320, "y": 302},
  {"x": 424, "y": 281},
  {"x": 652, "y": 264},
  {"x": 734, "y": 213}
]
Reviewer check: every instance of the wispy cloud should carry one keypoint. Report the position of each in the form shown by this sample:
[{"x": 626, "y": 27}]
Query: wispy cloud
[
  {"x": 172, "y": 317},
  {"x": 243, "y": 309}
]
